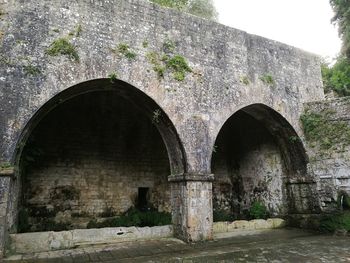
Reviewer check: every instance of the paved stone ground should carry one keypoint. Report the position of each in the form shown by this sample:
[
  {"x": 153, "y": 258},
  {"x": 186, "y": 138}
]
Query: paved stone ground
[{"x": 263, "y": 246}]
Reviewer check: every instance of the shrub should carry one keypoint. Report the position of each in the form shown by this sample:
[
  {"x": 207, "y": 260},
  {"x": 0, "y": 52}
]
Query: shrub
[
  {"x": 330, "y": 223},
  {"x": 258, "y": 211},
  {"x": 134, "y": 217},
  {"x": 222, "y": 215},
  {"x": 337, "y": 78}
]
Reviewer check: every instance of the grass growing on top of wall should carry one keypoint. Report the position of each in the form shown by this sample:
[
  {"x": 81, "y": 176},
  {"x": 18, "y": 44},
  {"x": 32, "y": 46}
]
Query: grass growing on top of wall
[{"x": 320, "y": 129}]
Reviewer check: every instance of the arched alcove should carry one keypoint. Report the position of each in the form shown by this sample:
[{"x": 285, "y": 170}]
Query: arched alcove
[
  {"x": 94, "y": 151},
  {"x": 256, "y": 157}
]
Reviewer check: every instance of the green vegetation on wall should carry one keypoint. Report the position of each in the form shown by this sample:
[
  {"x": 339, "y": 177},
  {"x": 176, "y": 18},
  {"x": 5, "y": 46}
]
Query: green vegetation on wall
[
  {"x": 125, "y": 50},
  {"x": 245, "y": 80},
  {"x": 258, "y": 211},
  {"x": 31, "y": 70},
  {"x": 168, "y": 61},
  {"x": 320, "y": 129},
  {"x": 267, "y": 79},
  {"x": 5, "y": 165},
  {"x": 201, "y": 8},
  {"x": 62, "y": 46},
  {"x": 178, "y": 65},
  {"x": 113, "y": 77}
]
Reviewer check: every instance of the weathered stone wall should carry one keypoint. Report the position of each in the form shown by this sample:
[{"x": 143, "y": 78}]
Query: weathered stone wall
[
  {"x": 331, "y": 163},
  {"x": 198, "y": 106},
  {"x": 248, "y": 167},
  {"x": 88, "y": 158},
  {"x": 221, "y": 59}
]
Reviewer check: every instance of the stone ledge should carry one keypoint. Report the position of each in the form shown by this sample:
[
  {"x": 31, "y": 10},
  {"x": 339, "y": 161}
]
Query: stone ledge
[
  {"x": 49, "y": 241},
  {"x": 242, "y": 225},
  {"x": 301, "y": 181},
  {"x": 191, "y": 177},
  {"x": 6, "y": 172}
]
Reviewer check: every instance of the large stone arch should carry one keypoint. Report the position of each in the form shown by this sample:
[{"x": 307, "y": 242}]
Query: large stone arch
[
  {"x": 258, "y": 156},
  {"x": 140, "y": 103}
]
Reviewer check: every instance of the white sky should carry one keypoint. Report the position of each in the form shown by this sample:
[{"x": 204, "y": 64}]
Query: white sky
[{"x": 301, "y": 23}]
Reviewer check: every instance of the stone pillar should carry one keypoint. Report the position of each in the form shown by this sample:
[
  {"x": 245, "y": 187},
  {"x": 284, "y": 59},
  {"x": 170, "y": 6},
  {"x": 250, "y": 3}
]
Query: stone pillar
[
  {"x": 192, "y": 206},
  {"x": 5, "y": 184}
]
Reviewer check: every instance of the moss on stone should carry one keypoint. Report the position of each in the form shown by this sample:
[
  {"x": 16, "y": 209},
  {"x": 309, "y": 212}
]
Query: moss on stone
[
  {"x": 124, "y": 50},
  {"x": 31, "y": 70},
  {"x": 267, "y": 79},
  {"x": 320, "y": 129},
  {"x": 113, "y": 77},
  {"x": 178, "y": 65},
  {"x": 62, "y": 46},
  {"x": 245, "y": 80}
]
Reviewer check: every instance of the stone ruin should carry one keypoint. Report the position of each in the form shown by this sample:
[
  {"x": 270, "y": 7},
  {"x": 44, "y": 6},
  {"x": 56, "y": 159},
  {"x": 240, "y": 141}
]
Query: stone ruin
[{"x": 108, "y": 105}]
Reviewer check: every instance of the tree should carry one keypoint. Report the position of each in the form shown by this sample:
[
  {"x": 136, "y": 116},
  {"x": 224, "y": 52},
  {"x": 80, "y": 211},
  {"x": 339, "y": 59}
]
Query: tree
[
  {"x": 337, "y": 78},
  {"x": 341, "y": 17},
  {"x": 201, "y": 8},
  {"x": 178, "y": 4}
]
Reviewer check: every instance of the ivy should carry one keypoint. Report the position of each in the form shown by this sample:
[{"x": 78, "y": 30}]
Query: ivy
[{"x": 320, "y": 129}]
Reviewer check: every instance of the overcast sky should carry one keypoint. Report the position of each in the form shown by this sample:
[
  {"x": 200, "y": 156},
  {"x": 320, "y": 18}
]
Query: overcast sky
[{"x": 300, "y": 23}]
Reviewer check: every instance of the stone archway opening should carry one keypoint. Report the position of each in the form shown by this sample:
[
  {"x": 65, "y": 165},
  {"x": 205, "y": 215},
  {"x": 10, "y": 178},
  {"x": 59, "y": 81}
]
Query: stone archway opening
[
  {"x": 93, "y": 155},
  {"x": 259, "y": 161}
]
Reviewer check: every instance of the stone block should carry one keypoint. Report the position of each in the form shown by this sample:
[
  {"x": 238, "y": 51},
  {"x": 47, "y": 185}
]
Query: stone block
[
  {"x": 61, "y": 240},
  {"x": 48, "y": 241},
  {"x": 162, "y": 231},
  {"x": 104, "y": 235},
  {"x": 220, "y": 227},
  {"x": 30, "y": 242},
  {"x": 241, "y": 224},
  {"x": 260, "y": 224},
  {"x": 277, "y": 222}
]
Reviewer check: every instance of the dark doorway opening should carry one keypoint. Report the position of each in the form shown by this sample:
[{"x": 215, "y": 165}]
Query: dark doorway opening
[{"x": 143, "y": 199}]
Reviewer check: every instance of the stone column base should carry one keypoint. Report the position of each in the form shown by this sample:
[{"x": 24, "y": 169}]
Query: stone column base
[
  {"x": 5, "y": 184},
  {"x": 192, "y": 206}
]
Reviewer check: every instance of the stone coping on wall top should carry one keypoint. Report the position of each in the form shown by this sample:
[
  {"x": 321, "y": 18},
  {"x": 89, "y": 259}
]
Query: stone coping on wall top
[
  {"x": 191, "y": 177},
  {"x": 256, "y": 224},
  {"x": 329, "y": 100},
  {"x": 8, "y": 171},
  {"x": 301, "y": 181},
  {"x": 48, "y": 241}
]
